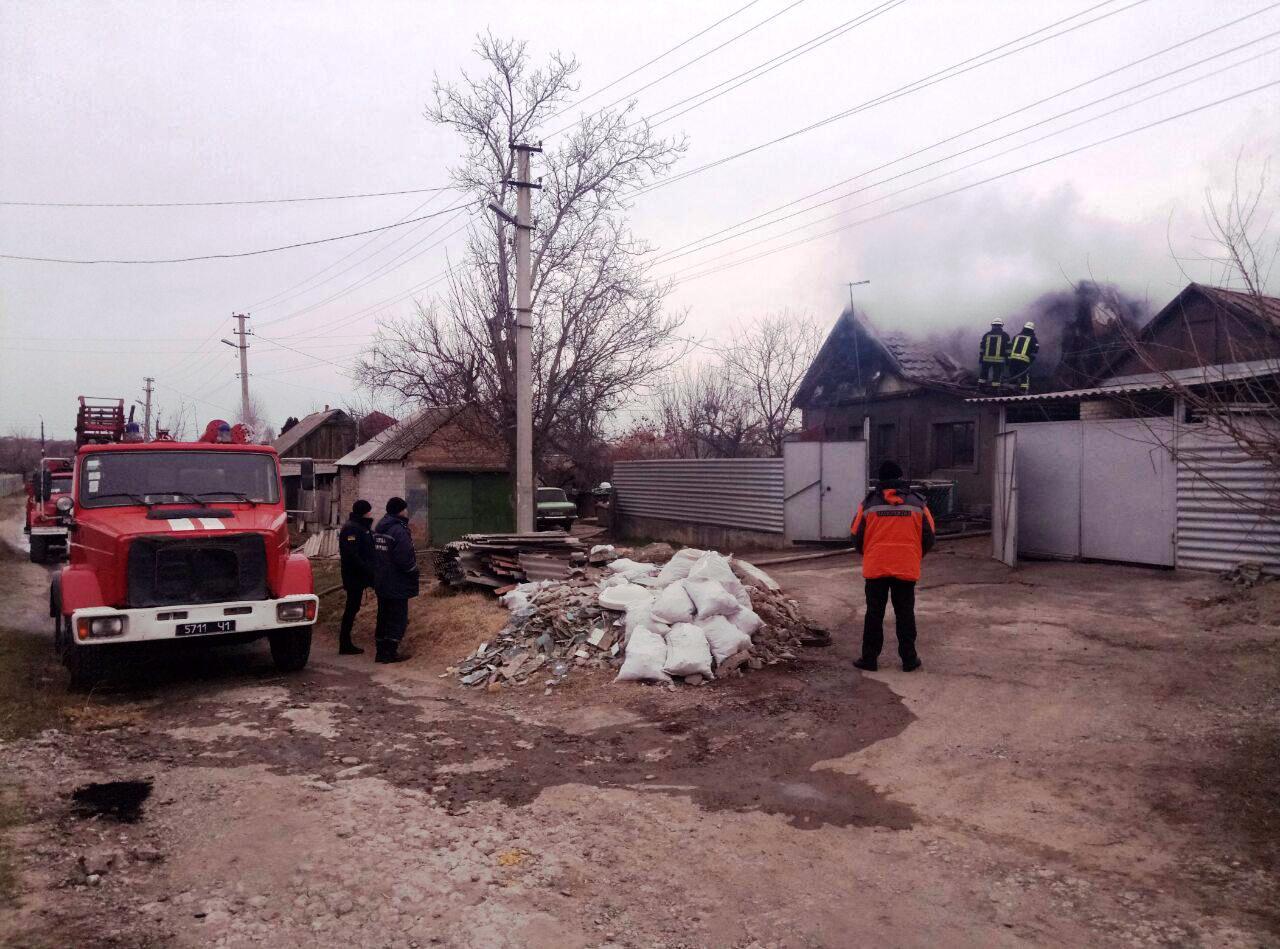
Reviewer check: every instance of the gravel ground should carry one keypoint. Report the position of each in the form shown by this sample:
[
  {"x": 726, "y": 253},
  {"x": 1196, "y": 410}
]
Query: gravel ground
[{"x": 1089, "y": 757}]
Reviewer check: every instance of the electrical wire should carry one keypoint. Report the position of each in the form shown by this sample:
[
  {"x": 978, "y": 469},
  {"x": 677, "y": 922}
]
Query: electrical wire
[
  {"x": 643, "y": 66},
  {"x": 976, "y": 184},
  {"x": 668, "y": 75},
  {"x": 214, "y": 204},
  {"x": 249, "y": 253},
  {"x": 1111, "y": 72},
  {"x": 998, "y": 138},
  {"x": 808, "y": 46},
  {"x": 950, "y": 72}
]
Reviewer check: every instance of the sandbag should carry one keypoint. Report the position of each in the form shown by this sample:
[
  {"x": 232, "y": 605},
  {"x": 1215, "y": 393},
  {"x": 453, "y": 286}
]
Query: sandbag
[
  {"x": 688, "y": 652},
  {"x": 640, "y": 616},
  {"x": 673, "y": 605},
  {"x": 678, "y": 567},
  {"x": 645, "y": 657},
  {"x": 620, "y": 597},
  {"x": 632, "y": 568},
  {"x": 710, "y": 598},
  {"x": 747, "y": 620},
  {"x": 714, "y": 566},
  {"x": 723, "y": 637}
]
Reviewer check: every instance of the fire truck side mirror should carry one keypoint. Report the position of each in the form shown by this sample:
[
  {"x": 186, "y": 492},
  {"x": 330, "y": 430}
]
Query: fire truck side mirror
[{"x": 307, "y": 469}]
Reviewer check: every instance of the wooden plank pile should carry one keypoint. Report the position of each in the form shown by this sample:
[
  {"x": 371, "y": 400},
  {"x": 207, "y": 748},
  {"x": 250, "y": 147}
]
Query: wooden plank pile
[{"x": 501, "y": 560}]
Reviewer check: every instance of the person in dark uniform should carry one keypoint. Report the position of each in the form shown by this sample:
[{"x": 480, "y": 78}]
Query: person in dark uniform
[
  {"x": 396, "y": 579},
  {"x": 355, "y": 546},
  {"x": 992, "y": 353},
  {"x": 1022, "y": 355},
  {"x": 893, "y": 530}
]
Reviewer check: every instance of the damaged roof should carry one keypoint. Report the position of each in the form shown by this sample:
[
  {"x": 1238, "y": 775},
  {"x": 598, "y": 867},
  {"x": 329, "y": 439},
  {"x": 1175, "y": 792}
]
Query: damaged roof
[
  {"x": 913, "y": 361},
  {"x": 396, "y": 442},
  {"x": 306, "y": 425}
]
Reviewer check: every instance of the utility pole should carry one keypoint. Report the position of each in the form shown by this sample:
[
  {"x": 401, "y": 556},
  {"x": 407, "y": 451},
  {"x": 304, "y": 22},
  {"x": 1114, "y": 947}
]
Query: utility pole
[
  {"x": 243, "y": 346},
  {"x": 523, "y": 223},
  {"x": 148, "y": 386}
]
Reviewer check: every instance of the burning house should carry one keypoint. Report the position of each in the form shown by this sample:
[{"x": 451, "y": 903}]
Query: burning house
[{"x": 909, "y": 398}]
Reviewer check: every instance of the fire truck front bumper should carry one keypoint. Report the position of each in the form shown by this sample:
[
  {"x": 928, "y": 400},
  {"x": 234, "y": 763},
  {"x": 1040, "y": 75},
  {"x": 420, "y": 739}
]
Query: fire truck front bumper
[
  {"x": 242, "y": 621},
  {"x": 59, "y": 532}
]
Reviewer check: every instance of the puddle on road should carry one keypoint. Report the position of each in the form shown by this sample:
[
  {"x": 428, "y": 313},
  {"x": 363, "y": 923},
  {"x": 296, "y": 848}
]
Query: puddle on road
[
  {"x": 752, "y": 747},
  {"x": 117, "y": 800}
]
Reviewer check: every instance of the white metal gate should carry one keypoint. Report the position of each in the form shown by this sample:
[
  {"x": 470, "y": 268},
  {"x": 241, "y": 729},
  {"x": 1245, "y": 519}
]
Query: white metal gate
[
  {"x": 823, "y": 483},
  {"x": 1101, "y": 490},
  {"x": 1004, "y": 507}
]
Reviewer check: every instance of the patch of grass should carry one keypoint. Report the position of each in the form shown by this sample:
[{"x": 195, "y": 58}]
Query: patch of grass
[
  {"x": 445, "y": 625},
  {"x": 33, "y": 692}
]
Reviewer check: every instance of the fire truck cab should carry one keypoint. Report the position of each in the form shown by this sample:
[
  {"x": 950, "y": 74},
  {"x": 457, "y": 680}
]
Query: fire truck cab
[
  {"x": 178, "y": 541},
  {"x": 44, "y": 525}
]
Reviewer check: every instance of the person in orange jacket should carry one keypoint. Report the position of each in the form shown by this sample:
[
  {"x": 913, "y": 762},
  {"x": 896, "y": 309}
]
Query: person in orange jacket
[{"x": 893, "y": 530}]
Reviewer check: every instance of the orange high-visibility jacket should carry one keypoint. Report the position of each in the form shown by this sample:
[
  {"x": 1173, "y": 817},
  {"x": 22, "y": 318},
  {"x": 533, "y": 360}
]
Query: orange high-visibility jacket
[{"x": 893, "y": 530}]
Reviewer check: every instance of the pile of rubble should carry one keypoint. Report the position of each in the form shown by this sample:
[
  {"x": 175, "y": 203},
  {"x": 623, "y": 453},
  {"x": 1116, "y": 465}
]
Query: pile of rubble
[
  {"x": 1246, "y": 575},
  {"x": 698, "y": 615},
  {"x": 498, "y": 560}
]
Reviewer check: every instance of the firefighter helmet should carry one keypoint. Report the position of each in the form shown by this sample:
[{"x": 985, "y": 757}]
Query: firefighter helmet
[
  {"x": 1029, "y": 326},
  {"x": 997, "y": 322}
]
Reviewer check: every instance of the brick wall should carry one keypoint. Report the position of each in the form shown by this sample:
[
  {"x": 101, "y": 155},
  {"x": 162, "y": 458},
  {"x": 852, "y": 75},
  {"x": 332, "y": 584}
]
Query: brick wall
[{"x": 461, "y": 446}]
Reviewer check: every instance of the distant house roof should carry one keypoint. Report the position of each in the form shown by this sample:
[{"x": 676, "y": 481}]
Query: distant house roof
[
  {"x": 396, "y": 442},
  {"x": 288, "y": 440},
  {"x": 375, "y": 423},
  {"x": 1246, "y": 306}
]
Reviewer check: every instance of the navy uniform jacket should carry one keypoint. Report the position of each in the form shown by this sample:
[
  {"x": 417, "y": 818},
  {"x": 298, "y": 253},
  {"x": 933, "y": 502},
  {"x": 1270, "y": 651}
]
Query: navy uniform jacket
[
  {"x": 395, "y": 560},
  {"x": 355, "y": 547}
]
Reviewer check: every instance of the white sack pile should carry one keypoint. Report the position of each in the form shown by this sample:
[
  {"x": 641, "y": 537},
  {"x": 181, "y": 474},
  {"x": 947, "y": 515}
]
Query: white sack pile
[{"x": 699, "y": 616}]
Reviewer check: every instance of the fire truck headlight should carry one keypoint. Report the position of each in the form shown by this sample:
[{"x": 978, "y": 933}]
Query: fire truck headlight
[
  {"x": 64, "y": 504},
  {"x": 102, "y": 627},
  {"x": 291, "y": 612}
]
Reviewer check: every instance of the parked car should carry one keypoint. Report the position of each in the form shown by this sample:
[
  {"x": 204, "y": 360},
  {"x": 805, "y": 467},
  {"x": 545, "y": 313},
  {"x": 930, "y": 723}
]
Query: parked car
[{"x": 554, "y": 510}]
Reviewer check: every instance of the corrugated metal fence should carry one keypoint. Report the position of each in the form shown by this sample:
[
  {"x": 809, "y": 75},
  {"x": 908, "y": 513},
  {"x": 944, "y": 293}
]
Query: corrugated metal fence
[
  {"x": 744, "y": 493},
  {"x": 1226, "y": 505}
]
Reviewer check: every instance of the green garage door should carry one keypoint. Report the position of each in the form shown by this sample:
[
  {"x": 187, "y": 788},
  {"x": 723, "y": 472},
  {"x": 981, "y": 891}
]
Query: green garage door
[{"x": 468, "y": 504}]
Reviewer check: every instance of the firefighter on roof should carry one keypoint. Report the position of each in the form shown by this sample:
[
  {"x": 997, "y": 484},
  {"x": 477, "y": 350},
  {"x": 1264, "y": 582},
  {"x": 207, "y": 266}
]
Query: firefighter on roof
[
  {"x": 992, "y": 353},
  {"x": 1022, "y": 356}
]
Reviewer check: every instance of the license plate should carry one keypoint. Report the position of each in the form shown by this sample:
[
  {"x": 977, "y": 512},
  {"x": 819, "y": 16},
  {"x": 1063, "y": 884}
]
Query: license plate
[{"x": 213, "y": 626}]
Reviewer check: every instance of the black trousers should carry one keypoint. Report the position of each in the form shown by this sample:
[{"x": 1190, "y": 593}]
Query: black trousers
[
  {"x": 992, "y": 372},
  {"x": 355, "y": 595},
  {"x": 393, "y": 619},
  {"x": 903, "y": 593}
]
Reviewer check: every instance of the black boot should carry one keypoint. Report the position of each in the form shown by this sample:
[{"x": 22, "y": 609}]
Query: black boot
[
  {"x": 388, "y": 651},
  {"x": 912, "y": 664},
  {"x": 866, "y": 665},
  {"x": 347, "y": 648}
]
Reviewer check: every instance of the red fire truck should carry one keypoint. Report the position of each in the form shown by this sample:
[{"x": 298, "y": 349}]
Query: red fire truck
[
  {"x": 177, "y": 541},
  {"x": 46, "y": 486}
]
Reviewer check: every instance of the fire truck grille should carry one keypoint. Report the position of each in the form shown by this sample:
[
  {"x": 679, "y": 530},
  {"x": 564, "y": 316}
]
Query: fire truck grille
[{"x": 172, "y": 572}]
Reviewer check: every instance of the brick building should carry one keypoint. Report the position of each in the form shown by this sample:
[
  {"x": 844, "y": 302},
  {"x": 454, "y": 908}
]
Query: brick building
[{"x": 446, "y": 463}]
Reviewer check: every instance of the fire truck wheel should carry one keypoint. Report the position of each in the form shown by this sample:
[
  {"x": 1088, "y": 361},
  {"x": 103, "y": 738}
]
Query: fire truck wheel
[
  {"x": 39, "y": 549},
  {"x": 290, "y": 648},
  {"x": 83, "y": 662}
]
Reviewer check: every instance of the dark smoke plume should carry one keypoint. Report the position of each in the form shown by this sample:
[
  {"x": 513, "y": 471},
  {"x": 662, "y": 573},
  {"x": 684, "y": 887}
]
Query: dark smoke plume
[{"x": 1082, "y": 331}]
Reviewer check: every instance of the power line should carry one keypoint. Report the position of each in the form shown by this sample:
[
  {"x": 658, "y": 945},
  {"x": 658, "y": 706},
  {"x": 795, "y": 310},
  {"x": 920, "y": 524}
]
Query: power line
[
  {"x": 215, "y": 204},
  {"x": 975, "y": 184},
  {"x": 643, "y": 66},
  {"x": 288, "y": 293},
  {"x": 668, "y": 75},
  {"x": 249, "y": 253},
  {"x": 941, "y": 75},
  {"x": 954, "y": 171},
  {"x": 674, "y": 252},
  {"x": 808, "y": 46},
  {"x": 964, "y": 151}
]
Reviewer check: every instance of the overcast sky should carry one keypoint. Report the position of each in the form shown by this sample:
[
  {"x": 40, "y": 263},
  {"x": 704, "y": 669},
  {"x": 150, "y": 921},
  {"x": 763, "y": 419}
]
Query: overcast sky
[{"x": 174, "y": 102}]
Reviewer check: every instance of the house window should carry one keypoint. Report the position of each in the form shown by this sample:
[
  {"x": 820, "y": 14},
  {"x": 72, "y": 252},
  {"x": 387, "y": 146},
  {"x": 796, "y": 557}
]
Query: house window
[{"x": 953, "y": 444}]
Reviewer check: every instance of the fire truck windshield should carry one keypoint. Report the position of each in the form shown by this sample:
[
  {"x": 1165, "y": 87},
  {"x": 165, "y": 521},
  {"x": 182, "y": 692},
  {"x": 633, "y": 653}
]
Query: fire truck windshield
[
  {"x": 60, "y": 484},
  {"x": 109, "y": 479}
]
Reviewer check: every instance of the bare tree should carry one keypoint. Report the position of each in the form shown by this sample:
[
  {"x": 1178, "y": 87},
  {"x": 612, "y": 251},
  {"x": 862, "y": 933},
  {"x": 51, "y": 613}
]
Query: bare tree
[
  {"x": 600, "y": 329},
  {"x": 704, "y": 413},
  {"x": 767, "y": 362},
  {"x": 1230, "y": 409},
  {"x": 19, "y": 451}
]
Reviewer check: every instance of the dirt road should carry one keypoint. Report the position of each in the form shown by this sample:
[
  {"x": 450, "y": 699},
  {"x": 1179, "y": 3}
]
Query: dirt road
[{"x": 1089, "y": 757}]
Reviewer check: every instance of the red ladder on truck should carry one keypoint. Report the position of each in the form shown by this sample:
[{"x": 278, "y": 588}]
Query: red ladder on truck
[{"x": 99, "y": 420}]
